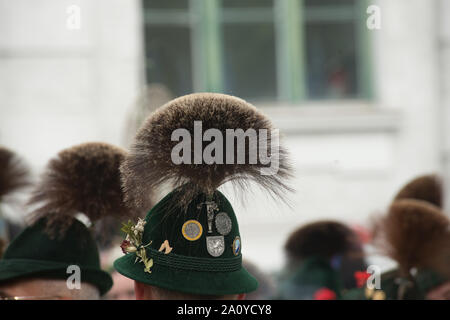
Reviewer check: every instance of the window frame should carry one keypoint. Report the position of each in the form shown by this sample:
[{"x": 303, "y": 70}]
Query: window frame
[{"x": 205, "y": 19}]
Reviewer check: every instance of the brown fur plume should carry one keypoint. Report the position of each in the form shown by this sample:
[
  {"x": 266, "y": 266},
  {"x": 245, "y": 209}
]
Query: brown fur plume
[
  {"x": 82, "y": 179},
  {"x": 322, "y": 238},
  {"x": 13, "y": 172},
  {"x": 427, "y": 188},
  {"x": 2, "y": 247},
  {"x": 149, "y": 163},
  {"x": 416, "y": 234}
]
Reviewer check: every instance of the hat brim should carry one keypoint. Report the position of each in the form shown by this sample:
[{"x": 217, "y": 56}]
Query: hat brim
[
  {"x": 12, "y": 269},
  {"x": 187, "y": 281}
]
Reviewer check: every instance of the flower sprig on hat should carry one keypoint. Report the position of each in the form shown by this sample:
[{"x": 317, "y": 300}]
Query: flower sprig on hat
[{"x": 133, "y": 243}]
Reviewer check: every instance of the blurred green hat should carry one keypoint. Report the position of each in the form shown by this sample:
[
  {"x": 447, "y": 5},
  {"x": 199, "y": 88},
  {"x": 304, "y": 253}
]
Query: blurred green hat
[
  {"x": 321, "y": 256},
  {"x": 315, "y": 278},
  {"x": 190, "y": 241},
  {"x": 394, "y": 286},
  {"x": 82, "y": 179},
  {"x": 200, "y": 257},
  {"x": 415, "y": 234},
  {"x": 33, "y": 253}
]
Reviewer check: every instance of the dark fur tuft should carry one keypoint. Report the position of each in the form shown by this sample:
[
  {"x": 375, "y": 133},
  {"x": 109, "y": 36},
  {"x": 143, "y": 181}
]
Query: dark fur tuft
[
  {"x": 149, "y": 163},
  {"x": 427, "y": 188},
  {"x": 416, "y": 234},
  {"x": 13, "y": 173},
  {"x": 323, "y": 238},
  {"x": 82, "y": 179}
]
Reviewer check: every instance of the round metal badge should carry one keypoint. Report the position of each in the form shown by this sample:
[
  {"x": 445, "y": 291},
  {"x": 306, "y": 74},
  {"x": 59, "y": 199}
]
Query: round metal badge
[
  {"x": 236, "y": 246},
  {"x": 215, "y": 245},
  {"x": 192, "y": 230},
  {"x": 223, "y": 223}
]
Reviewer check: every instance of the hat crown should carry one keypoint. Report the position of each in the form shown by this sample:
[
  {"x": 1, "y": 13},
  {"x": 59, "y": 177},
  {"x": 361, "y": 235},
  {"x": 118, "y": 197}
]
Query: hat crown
[
  {"x": 76, "y": 246},
  {"x": 189, "y": 230}
]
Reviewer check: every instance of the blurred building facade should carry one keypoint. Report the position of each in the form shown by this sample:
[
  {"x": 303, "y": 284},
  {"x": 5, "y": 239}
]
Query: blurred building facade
[{"x": 362, "y": 111}]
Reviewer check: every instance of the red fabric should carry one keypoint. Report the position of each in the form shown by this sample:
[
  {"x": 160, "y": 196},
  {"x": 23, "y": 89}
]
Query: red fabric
[
  {"x": 361, "y": 278},
  {"x": 324, "y": 294}
]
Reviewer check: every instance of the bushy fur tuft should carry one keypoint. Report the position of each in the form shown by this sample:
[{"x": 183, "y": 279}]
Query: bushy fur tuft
[
  {"x": 13, "y": 173},
  {"x": 82, "y": 179},
  {"x": 416, "y": 234},
  {"x": 322, "y": 238},
  {"x": 149, "y": 163},
  {"x": 427, "y": 188}
]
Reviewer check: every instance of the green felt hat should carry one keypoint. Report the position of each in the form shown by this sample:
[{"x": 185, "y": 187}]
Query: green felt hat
[
  {"x": 414, "y": 233},
  {"x": 195, "y": 223},
  {"x": 393, "y": 286},
  {"x": 82, "y": 179},
  {"x": 206, "y": 256},
  {"x": 387, "y": 290},
  {"x": 313, "y": 276},
  {"x": 33, "y": 253}
]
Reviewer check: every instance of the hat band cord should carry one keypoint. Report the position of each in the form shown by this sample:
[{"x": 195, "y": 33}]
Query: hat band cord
[{"x": 194, "y": 263}]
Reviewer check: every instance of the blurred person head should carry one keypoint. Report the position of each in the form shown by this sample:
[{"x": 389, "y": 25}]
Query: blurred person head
[
  {"x": 266, "y": 285},
  {"x": 56, "y": 255},
  {"x": 148, "y": 292},
  {"x": 325, "y": 239},
  {"x": 38, "y": 266},
  {"x": 323, "y": 258},
  {"x": 416, "y": 235},
  {"x": 440, "y": 292},
  {"x": 123, "y": 288},
  {"x": 46, "y": 289},
  {"x": 418, "y": 192},
  {"x": 189, "y": 244}
]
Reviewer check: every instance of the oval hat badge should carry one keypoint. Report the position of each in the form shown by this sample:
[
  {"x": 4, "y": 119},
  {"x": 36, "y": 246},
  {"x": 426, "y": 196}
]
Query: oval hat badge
[
  {"x": 192, "y": 230},
  {"x": 223, "y": 223},
  {"x": 236, "y": 246}
]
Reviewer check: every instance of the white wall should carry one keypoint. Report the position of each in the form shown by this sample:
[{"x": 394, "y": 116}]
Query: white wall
[
  {"x": 59, "y": 87},
  {"x": 343, "y": 170},
  {"x": 443, "y": 23}
]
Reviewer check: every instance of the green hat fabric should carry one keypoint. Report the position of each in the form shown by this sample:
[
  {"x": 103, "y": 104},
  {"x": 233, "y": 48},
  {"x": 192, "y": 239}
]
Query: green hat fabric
[
  {"x": 313, "y": 274},
  {"x": 422, "y": 282},
  {"x": 387, "y": 290},
  {"x": 189, "y": 267},
  {"x": 33, "y": 253}
]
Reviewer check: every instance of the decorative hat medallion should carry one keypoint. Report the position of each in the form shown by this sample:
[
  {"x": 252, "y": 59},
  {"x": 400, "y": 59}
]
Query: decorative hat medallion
[
  {"x": 237, "y": 246},
  {"x": 192, "y": 230},
  {"x": 215, "y": 245},
  {"x": 223, "y": 223}
]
